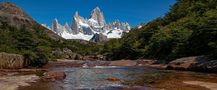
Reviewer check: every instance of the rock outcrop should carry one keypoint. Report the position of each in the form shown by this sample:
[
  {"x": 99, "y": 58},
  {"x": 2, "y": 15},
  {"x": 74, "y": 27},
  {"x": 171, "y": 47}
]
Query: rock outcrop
[
  {"x": 11, "y": 61},
  {"x": 186, "y": 62},
  {"x": 98, "y": 38},
  {"x": 14, "y": 15},
  {"x": 66, "y": 53},
  {"x": 208, "y": 66},
  {"x": 98, "y": 16},
  {"x": 196, "y": 63}
]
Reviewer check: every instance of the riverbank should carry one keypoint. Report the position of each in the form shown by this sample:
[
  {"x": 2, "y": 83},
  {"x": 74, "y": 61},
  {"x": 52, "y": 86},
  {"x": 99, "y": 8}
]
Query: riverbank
[
  {"x": 185, "y": 80},
  {"x": 13, "y": 82},
  {"x": 197, "y": 64},
  {"x": 208, "y": 85},
  {"x": 12, "y": 79},
  {"x": 98, "y": 63}
]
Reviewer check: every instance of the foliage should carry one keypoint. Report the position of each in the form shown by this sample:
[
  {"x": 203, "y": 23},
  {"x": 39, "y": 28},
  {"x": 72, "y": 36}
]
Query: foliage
[
  {"x": 188, "y": 29},
  {"x": 35, "y": 44}
]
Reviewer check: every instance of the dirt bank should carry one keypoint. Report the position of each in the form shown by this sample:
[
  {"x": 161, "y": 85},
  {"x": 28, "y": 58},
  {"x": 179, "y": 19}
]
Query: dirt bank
[
  {"x": 13, "y": 82},
  {"x": 211, "y": 86}
]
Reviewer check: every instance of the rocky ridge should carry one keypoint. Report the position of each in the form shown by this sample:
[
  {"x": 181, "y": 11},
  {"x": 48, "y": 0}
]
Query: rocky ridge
[{"x": 86, "y": 29}]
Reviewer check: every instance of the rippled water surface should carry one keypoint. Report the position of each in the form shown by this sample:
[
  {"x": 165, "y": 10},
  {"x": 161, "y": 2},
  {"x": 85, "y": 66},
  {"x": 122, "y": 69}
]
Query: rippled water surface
[
  {"x": 95, "y": 78},
  {"x": 98, "y": 77},
  {"x": 125, "y": 78}
]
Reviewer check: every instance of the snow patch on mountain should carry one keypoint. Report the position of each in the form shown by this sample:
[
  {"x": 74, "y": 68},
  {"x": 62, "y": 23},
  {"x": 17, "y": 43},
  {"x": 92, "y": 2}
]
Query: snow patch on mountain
[
  {"x": 80, "y": 36},
  {"x": 46, "y": 26},
  {"x": 115, "y": 33},
  {"x": 86, "y": 29}
]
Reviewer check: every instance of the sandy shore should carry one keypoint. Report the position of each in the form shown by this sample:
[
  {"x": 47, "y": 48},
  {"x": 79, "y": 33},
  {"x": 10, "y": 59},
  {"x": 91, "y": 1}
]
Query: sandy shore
[
  {"x": 13, "y": 82},
  {"x": 211, "y": 86}
]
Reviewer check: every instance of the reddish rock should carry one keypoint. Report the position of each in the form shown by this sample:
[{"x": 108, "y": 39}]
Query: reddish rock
[
  {"x": 54, "y": 75},
  {"x": 113, "y": 79},
  {"x": 123, "y": 63},
  {"x": 145, "y": 62}
]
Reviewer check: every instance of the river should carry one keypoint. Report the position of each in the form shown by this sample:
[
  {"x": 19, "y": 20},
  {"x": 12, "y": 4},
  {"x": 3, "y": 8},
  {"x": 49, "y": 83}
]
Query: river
[{"x": 125, "y": 78}]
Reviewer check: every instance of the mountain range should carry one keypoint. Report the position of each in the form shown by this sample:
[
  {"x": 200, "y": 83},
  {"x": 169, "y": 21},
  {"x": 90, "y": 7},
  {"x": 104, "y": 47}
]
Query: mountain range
[{"x": 91, "y": 29}]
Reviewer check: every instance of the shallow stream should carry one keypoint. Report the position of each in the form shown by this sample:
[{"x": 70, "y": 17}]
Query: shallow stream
[{"x": 123, "y": 78}]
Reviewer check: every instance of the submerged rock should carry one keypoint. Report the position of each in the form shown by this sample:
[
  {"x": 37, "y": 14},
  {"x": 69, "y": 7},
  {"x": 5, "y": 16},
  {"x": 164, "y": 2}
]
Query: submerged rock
[
  {"x": 113, "y": 79},
  {"x": 54, "y": 75}
]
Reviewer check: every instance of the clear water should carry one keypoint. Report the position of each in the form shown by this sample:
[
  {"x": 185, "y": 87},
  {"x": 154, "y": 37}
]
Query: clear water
[
  {"x": 95, "y": 78},
  {"x": 130, "y": 78}
]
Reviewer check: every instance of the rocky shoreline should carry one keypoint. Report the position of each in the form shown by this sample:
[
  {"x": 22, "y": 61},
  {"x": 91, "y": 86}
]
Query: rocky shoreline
[
  {"x": 13, "y": 82},
  {"x": 195, "y": 63},
  {"x": 12, "y": 79},
  {"x": 25, "y": 76}
]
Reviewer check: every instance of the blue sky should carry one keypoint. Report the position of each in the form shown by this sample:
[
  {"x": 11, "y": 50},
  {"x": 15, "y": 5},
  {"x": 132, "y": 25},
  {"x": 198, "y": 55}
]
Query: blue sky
[{"x": 132, "y": 11}]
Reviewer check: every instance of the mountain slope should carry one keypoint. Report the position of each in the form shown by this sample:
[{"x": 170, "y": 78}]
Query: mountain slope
[
  {"x": 14, "y": 16},
  {"x": 20, "y": 34},
  {"x": 189, "y": 29}
]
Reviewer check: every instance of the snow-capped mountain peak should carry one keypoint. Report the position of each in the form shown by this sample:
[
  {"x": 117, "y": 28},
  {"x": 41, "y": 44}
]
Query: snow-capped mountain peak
[
  {"x": 68, "y": 29},
  {"x": 56, "y": 26},
  {"x": 97, "y": 17},
  {"x": 86, "y": 29}
]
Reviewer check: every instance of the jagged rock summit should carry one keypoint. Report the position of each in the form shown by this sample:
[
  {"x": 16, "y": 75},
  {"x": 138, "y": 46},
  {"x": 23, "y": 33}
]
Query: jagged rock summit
[
  {"x": 97, "y": 18},
  {"x": 90, "y": 29},
  {"x": 15, "y": 16}
]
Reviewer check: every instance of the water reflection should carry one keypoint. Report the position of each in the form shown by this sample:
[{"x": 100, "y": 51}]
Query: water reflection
[
  {"x": 95, "y": 78},
  {"x": 129, "y": 78}
]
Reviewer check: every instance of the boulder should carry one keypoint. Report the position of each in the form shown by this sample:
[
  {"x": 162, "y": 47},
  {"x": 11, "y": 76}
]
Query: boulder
[
  {"x": 208, "y": 66},
  {"x": 54, "y": 75},
  {"x": 11, "y": 61},
  {"x": 196, "y": 63},
  {"x": 186, "y": 62}
]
